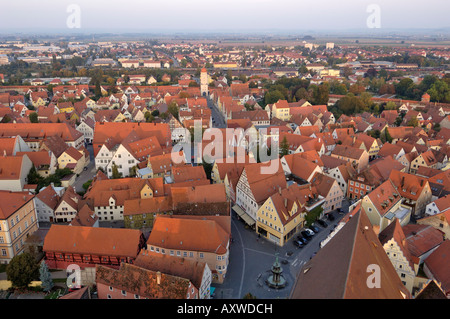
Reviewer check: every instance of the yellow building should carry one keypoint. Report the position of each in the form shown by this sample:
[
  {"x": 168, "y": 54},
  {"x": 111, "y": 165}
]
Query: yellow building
[
  {"x": 66, "y": 107},
  {"x": 39, "y": 102},
  {"x": 18, "y": 220},
  {"x": 73, "y": 159},
  {"x": 283, "y": 214},
  {"x": 281, "y": 110}
]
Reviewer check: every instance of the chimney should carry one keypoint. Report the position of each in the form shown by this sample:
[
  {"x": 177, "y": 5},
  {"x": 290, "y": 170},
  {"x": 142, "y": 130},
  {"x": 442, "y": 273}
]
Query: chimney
[{"x": 158, "y": 277}]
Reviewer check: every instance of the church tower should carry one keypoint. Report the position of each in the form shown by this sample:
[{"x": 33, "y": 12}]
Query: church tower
[{"x": 204, "y": 82}]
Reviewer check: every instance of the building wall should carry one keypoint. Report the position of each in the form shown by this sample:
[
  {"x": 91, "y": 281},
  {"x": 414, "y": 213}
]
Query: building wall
[
  {"x": 15, "y": 229},
  {"x": 109, "y": 292},
  {"x": 16, "y": 185},
  {"x": 405, "y": 272},
  {"x": 245, "y": 198},
  {"x": 437, "y": 221},
  {"x": 334, "y": 199},
  {"x": 64, "y": 213},
  {"x": 44, "y": 213},
  {"x": 217, "y": 263},
  {"x": 268, "y": 220}
]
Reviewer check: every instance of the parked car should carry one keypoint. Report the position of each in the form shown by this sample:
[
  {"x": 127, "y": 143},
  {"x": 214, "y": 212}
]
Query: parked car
[
  {"x": 298, "y": 243},
  {"x": 314, "y": 228},
  {"x": 310, "y": 232},
  {"x": 322, "y": 223},
  {"x": 340, "y": 210},
  {"x": 303, "y": 240},
  {"x": 305, "y": 234},
  {"x": 330, "y": 216}
]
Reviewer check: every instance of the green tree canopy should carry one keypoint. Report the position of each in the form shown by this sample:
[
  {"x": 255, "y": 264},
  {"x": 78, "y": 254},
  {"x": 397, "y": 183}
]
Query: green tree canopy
[{"x": 22, "y": 270}]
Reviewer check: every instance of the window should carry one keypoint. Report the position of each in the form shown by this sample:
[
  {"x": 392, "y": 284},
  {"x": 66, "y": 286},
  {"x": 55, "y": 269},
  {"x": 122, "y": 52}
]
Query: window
[
  {"x": 124, "y": 293},
  {"x": 108, "y": 296},
  {"x": 3, "y": 252},
  {"x": 111, "y": 288},
  {"x": 201, "y": 255}
]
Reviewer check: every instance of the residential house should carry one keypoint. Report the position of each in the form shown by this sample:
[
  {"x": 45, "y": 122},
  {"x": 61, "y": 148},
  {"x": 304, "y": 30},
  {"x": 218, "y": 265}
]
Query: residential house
[
  {"x": 357, "y": 157},
  {"x": 422, "y": 240},
  {"x": 14, "y": 172},
  {"x": 394, "y": 243},
  {"x": 46, "y": 202},
  {"x": 68, "y": 206},
  {"x": 18, "y": 221},
  {"x": 73, "y": 159},
  {"x": 437, "y": 215},
  {"x": 383, "y": 205},
  {"x": 256, "y": 183},
  {"x": 330, "y": 190},
  {"x": 44, "y": 162},
  {"x": 414, "y": 189},
  {"x": 85, "y": 217},
  {"x": 86, "y": 127},
  {"x": 298, "y": 166},
  {"x": 283, "y": 214},
  {"x": 435, "y": 267},
  {"x": 133, "y": 282},
  {"x": 108, "y": 196},
  {"x": 34, "y": 133},
  {"x": 197, "y": 272},
  {"x": 196, "y": 238}
]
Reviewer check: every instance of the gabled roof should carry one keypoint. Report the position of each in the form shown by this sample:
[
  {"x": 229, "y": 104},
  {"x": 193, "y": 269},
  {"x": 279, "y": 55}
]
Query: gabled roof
[
  {"x": 301, "y": 167},
  {"x": 422, "y": 238},
  {"x": 384, "y": 197},
  {"x": 190, "y": 234},
  {"x": 337, "y": 270},
  {"x": 10, "y": 202},
  {"x": 49, "y": 197},
  {"x": 438, "y": 262},
  {"x": 172, "y": 265},
  {"x": 93, "y": 240},
  {"x": 11, "y": 167},
  {"x": 142, "y": 282},
  {"x": 394, "y": 231}
]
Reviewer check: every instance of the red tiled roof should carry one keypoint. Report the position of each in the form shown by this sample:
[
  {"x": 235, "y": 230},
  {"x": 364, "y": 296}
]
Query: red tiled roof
[{"x": 93, "y": 240}]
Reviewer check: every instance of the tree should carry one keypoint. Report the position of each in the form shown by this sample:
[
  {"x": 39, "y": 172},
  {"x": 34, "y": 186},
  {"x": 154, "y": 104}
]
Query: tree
[
  {"x": 321, "y": 94},
  {"x": 273, "y": 97},
  {"x": 413, "y": 121},
  {"x": 22, "y": 270},
  {"x": 173, "y": 109},
  {"x": 115, "y": 172},
  {"x": 45, "y": 277},
  {"x": 387, "y": 136},
  {"x": 284, "y": 147},
  {"x": 390, "y": 106},
  {"x": 33, "y": 117}
]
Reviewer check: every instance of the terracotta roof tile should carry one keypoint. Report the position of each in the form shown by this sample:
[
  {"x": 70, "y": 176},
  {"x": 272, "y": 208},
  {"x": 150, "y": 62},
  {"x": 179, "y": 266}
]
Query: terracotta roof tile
[{"x": 93, "y": 240}]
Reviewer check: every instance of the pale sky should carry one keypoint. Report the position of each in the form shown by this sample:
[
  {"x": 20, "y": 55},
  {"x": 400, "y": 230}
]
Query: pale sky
[{"x": 211, "y": 15}]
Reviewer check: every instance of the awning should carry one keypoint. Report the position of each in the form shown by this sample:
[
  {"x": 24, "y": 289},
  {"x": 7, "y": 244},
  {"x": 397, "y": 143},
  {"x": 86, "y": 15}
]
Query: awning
[{"x": 243, "y": 215}]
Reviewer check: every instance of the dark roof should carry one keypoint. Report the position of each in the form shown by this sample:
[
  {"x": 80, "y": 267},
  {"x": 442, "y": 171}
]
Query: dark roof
[{"x": 340, "y": 268}]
